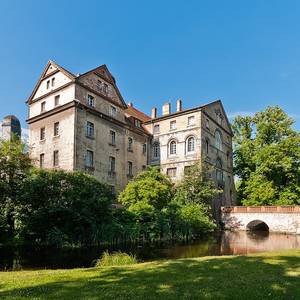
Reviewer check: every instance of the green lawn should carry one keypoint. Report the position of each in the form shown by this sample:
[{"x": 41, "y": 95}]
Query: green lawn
[{"x": 262, "y": 276}]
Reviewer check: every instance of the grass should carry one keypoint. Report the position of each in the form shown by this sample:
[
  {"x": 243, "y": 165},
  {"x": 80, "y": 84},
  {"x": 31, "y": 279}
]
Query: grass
[
  {"x": 116, "y": 259},
  {"x": 260, "y": 276}
]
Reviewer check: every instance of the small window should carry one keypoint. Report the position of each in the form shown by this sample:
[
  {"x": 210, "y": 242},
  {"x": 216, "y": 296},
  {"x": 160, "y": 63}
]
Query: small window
[
  {"x": 112, "y": 164},
  {"x": 137, "y": 123},
  {"x": 99, "y": 85},
  {"x": 89, "y": 159},
  {"x": 113, "y": 111},
  {"x": 90, "y": 129},
  {"x": 172, "y": 125},
  {"x": 156, "y": 129},
  {"x": 171, "y": 172},
  {"x": 129, "y": 166},
  {"x": 43, "y": 106},
  {"x": 191, "y": 120},
  {"x": 206, "y": 146},
  {"x": 42, "y": 133},
  {"x": 207, "y": 124},
  {"x": 53, "y": 81},
  {"x": 91, "y": 101},
  {"x": 130, "y": 143},
  {"x": 105, "y": 88},
  {"x": 48, "y": 84},
  {"x": 155, "y": 150},
  {"x": 56, "y": 100},
  {"x": 56, "y": 129},
  {"x": 55, "y": 158},
  {"x": 190, "y": 147},
  {"x": 112, "y": 138},
  {"x": 172, "y": 147},
  {"x": 144, "y": 148},
  {"x": 42, "y": 160}
]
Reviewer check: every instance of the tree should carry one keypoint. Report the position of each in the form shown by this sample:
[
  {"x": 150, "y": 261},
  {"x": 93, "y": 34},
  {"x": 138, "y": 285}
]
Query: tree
[
  {"x": 15, "y": 165},
  {"x": 267, "y": 158},
  {"x": 59, "y": 208}
]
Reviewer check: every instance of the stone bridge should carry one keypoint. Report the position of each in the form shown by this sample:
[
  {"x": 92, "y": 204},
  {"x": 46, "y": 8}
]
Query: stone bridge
[{"x": 272, "y": 218}]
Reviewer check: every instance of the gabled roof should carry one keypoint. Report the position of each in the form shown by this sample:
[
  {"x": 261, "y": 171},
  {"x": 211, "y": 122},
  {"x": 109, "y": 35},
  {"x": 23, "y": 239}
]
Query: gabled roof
[
  {"x": 103, "y": 72},
  {"x": 44, "y": 74},
  {"x": 133, "y": 112}
]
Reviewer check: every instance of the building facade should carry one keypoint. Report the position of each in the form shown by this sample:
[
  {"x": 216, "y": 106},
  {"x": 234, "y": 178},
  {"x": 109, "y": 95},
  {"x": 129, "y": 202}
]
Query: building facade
[{"x": 81, "y": 122}]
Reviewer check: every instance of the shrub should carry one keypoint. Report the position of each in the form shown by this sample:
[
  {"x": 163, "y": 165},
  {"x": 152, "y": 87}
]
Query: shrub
[{"x": 116, "y": 259}]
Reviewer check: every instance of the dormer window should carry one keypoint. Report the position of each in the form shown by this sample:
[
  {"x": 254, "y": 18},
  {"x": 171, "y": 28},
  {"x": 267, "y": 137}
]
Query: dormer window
[
  {"x": 48, "y": 84},
  {"x": 137, "y": 123},
  {"x": 91, "y": 101},
  {"x": 53, "y": 82}
]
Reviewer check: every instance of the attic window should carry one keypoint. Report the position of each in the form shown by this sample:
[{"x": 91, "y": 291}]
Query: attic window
[
  {"x": 99, "y": 85},
  {"x": 137, "y": 123},
  {"x": 53, "y": 81},
  {"x": 48, "y": 84},
  {"x": 105, "y": 88}
]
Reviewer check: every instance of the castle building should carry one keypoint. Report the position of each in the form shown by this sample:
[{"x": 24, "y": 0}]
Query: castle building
[{"x": 81, "y": 122}]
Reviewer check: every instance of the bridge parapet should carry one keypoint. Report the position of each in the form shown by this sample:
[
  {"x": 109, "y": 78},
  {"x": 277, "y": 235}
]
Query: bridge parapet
[{"x": 261, "y": 209}]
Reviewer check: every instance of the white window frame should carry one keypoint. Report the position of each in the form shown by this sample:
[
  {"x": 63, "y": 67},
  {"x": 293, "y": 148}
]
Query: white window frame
[
  {"x": 91, "y": 100},
  {"x": 172, "y": 148},
  {"x": 193, "y": 145}
]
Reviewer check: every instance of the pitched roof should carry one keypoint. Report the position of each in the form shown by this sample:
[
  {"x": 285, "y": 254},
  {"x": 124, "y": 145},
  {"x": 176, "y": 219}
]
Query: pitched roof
[{"x": 133, "y": 112}]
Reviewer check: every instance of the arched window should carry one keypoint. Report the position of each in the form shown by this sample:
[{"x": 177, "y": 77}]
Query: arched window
[
  {"x": 219, "y": 171},
  {"x": 172, "y": 148},
  {"x": 218, "y": 140},
  {"x": 155, "y": 150},
  {"x": 190, "y": 144}
]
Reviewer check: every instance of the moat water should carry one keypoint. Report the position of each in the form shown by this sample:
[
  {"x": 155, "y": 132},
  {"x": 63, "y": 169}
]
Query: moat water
[{"x": 225, "y": 243}]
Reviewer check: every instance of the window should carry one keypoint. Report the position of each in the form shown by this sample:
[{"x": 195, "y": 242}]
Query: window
[
  {"x": 48, "y": 84},
  {"x": 129, "y": 166},
  {"x": 171, "y": 172},
  {"x": 187, "y": 170},
  {"x": 55, "y": 158},
  {"x": 99, "y": 85},
  {"x": 43, "y": 106},
  {"x": 207, "y": 123},
  {"x": 137, "y": 123},
  {"x": 105, "y": 88},
  {"x": 53, "y": 81},
  {"x": 42, "y": 133},
  {"x": 89, "y": 159},
  {"x": 172, "y": 148},
  {"x": 206, "y": 146},
  {"x": 90, "y": 130},
  {"x": 155, "y": 150},
  {"x": 172, "y": 125},
  {"x": 113, "y": 190},
  {"x": 56, "y": 129},
  {"x": 112, "y": 138},
  {"x": 156, "y": 129},
  {"x": 42, "y": 160},
  {"x": 56, "y": 100},
  {"x": 144, "y": 148},
  {"x": 130, "y": 143},
  {"x": 91, "y": 101},
  {"x": 219, "y": 117},
  {"x": 191, "y": 120},
  {"x": 190, "y": 144},
  {"x": 219, "y": 172},
  {"x": 112, "y": 111},
  {"x": 112, "y": 164},
  {"x": 218, "y": 140}
]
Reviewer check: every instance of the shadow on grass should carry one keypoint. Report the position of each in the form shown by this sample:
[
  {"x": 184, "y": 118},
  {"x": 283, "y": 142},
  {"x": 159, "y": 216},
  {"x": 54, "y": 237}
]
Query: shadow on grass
[{"x": 238, "y": 277}]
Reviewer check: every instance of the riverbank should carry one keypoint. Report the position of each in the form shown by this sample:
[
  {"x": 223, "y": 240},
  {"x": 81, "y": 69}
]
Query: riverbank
[{"x": 260, "y": 276}]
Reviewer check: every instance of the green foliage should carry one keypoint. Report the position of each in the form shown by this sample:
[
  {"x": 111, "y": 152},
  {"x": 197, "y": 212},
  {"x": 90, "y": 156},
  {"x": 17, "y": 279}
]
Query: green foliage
[
  {"x": 267, "y": 158},
  {"x": 116, "y": 259}
]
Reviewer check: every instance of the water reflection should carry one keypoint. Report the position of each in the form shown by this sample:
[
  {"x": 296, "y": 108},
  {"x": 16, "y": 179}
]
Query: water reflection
[{"x": 225, "y": 243}]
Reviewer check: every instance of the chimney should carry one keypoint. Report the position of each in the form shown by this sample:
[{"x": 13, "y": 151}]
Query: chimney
[
  {"x": 130, "y": 104},
  {"x": 179, "y": 105},
  {"x": 154, "y": 113},
  {"x": 166, "y": 109}
]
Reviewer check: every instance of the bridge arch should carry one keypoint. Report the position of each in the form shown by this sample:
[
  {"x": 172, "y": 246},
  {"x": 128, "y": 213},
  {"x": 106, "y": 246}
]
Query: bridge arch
[{"x": 257, "y": 225}]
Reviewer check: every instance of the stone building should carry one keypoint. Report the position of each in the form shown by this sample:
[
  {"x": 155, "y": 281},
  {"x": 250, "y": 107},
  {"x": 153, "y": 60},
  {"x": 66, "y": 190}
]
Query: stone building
[
  {"x": 81, "y": 122},
  {"x": 10, "y": 127}
]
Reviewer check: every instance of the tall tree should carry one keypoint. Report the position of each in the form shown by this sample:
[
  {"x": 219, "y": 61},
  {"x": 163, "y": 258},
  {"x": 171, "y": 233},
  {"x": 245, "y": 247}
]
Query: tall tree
[{"x": 267, "y": 158}]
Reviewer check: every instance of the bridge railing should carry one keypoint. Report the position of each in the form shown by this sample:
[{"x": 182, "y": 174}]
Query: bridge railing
[{"x": 261, "y": 209}]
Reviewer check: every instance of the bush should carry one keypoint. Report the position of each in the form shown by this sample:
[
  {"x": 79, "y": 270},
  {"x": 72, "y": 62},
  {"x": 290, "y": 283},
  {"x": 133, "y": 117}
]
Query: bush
[{"x": 116, "y": 259}]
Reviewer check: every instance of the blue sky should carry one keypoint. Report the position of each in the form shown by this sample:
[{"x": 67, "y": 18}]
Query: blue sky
[{"x": 247, "y": 53}]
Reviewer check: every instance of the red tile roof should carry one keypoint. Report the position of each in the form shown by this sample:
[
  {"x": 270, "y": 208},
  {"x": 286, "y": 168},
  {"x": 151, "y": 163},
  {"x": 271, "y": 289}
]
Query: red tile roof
[{"x": 133, "y": 112}]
